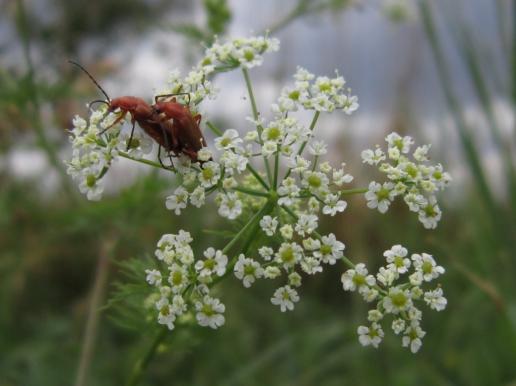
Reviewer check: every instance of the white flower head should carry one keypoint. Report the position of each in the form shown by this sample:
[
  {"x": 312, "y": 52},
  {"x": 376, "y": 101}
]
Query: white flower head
[
  {"x": 287, "y": 231},
  {"x": 357, "y": 278},
  {"x": 167, "y": 316},
  {"x": 204, "y": 154},
  {"x": 387, "y": 276},
  {"x": 330, "y": 250},
  {"x": 209, "y": 174},
  {"x": 228, "y": 140},
  {"x": 294, "y": 279},
  {"x": 266, "y": 253},
  {"x": 333, "y": 205},
  {"x": 426, "y": 264},
  {"x": 269, "y": 225},
  {"x": 398, "y": 326},
  {"x": 90, "y": 184},
  {"x": 311, "y": 265},
  {"x": 430, "y": 214},
  {"x": 153, "y": 277},
  {"x": 373, "y": 157},
  {"x": 271, "y": 272},
  {"x": 412, "y": 337},
  {"x": 214, "y": 263},
  {"x": 370, "y": 336},
  {"x": 374, "y": 315},
  {"x": 435, "y": 299},
  {"x": 177, "y": 201},
  {"x": 289, "y": 254},
  {"x": 396, "y": 259},
  {"x": 285, "y": 297},
  {"x": 210, "y": 312},
  {"x": 317, "y": 148},
  {"x": 198, "y": 197},
  {"x": 380, "y": 196},
  {"x": 306, "y": 224},
  {"x": 403, "y": 144},
  {"x": 247, "y": 270},
  {"x": 397, "y": 300},
  {"x": 230, "y": 206},
  {"x": 178, "y": 278}
]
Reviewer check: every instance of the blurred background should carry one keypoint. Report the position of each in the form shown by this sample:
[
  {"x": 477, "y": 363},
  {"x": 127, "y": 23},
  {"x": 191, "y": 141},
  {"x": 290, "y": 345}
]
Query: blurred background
[{"x": 441, "y": 71}]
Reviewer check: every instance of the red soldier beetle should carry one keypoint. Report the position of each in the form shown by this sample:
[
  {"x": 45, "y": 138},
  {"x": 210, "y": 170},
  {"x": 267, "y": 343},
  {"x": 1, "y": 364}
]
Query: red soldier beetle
[
  {"x": 185, "y": 125},
  {"x": 146, "y": 116}
]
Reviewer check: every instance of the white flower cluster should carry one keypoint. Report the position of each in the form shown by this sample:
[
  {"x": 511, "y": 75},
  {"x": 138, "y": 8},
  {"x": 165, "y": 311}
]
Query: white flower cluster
[
  {"x": 281, "y": 203},
  {"x": 410, "y": 177},
  {"x": 245, "y": 52},
  {"x": 182, "y": 283},
  {"x": 184, "y": 280},
  {"x": 94, "y": 153},
  {"x": 316, "y": 93},
  {"x": 196, "y": 86},
  {"x": 291, "y": 258},
  {"x": 396, "y": 298},
  {"x": 282, "y": 140}
]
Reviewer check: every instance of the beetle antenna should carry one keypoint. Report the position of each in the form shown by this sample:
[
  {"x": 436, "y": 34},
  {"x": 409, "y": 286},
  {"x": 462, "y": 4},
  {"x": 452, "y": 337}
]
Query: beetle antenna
[
  {"x": 91, "y": 77},
  {"x": 97, "y": 101}
]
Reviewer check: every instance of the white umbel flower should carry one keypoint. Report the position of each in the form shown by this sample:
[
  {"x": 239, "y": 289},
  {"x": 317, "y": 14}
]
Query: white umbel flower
[
  {"x": 247, "y": 270},
  {"x": 269, "y": 225},
  {"x": 153, "y": 277},
  {"x": 426, "y": 264},
  {"x": 435, "y": 299},
  {"x": 370, "y": 336},
  {"x": 214, "y": 263},
  {"x": 210, "y": 312},
  {"x": 177, "y": 201},
  {"x": 357, "y": 278},
  {"x": 412, "y": 337},
  {"x": 380, "y": 196},
  {"x": 285, "y": 297},
  {"x": 396, "y": 259}
]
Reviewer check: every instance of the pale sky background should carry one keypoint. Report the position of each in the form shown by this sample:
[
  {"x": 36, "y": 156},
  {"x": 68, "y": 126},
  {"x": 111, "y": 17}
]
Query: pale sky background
[{"x": 388, "y": 65}]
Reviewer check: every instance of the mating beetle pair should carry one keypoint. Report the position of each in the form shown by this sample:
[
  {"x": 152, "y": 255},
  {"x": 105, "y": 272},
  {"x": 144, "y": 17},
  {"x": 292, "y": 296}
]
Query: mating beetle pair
[{"x": 169, "y": 123}]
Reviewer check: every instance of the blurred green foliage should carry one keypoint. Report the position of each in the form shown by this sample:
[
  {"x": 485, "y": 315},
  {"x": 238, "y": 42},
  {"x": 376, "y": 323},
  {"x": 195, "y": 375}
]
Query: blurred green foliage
[{"x": 50, "y": 248}]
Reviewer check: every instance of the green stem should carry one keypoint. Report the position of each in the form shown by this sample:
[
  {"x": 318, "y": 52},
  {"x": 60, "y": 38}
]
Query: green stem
[
  {"x": 251, "y": 226},
  {"x": 141, "y": 365},
  {"x": 303, "y": 145},
  {"x": 255, "y": 219},
  {"x": 214, "y": 128},
  {"x": 256, "y": 117},
  {"x": 276, "y": 170},
  {"x": 353, "y": 191},
  {"x": 144, "y": 161},
  {"x": 253, "y": 101},
  {"x": 257, "y": 176},
  {"x": 348, "y": 262},
  {"x": 251, "y": 192}
]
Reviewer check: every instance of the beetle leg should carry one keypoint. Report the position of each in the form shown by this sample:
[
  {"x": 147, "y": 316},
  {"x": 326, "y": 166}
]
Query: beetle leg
[
  {"x": 130, "y": 137},
  {"x": 167, "y": 146},
  {"x": 169, "y": 95},
  {"x": 159, "y": 157},
  {"x": 122, "y": 116}
]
